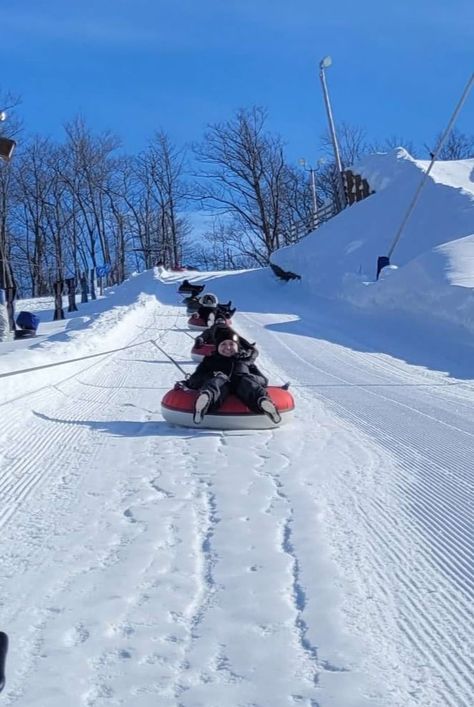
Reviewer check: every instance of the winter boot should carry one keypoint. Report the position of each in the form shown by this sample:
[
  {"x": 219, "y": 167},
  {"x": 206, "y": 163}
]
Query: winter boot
[
  {"x": 267, "y": 406},
  {"x": 200, "y": 407}
]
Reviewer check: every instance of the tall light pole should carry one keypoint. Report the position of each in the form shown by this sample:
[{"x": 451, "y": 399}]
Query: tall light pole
[
  {"x": 324, "y": 64},
  {"x": 312, "y": 173}
]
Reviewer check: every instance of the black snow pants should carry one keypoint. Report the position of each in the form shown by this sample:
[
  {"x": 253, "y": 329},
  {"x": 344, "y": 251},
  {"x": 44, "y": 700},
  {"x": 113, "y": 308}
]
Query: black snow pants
[{"x": 248, "y": 387}]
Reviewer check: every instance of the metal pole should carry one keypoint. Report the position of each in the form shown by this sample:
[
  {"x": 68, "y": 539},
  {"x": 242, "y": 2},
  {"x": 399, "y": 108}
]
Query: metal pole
[
  {"x": 332, "y": 130},
  {"x": 315, "y": 201},
  {"x": 433, "y": 159}
]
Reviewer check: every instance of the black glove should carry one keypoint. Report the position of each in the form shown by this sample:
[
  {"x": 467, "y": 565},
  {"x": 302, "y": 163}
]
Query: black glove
[
  {"x": 199, "y": 342},
  {"x": 181, "y": 385}
]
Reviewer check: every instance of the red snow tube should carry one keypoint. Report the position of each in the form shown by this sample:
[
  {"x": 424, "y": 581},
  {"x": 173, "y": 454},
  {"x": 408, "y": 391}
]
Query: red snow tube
[
  {"x": 198, "y": 323},
  {"x": 199, "y": 352},
  {"x": 177, "y": 408}
]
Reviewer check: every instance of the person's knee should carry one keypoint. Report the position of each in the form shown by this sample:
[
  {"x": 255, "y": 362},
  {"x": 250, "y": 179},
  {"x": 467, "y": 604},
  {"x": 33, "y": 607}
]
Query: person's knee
[{"x": 221, "y": 376}]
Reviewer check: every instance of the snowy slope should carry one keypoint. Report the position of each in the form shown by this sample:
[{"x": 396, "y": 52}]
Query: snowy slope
[
  {"x": 434, "y": 256},
  {"x": 323, "y": 563}
]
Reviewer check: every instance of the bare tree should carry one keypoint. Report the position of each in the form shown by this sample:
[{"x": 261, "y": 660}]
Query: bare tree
[
  {"x": 10, "y": 129},
  {"x": 161, "y": 170},
  {"x": 245, "y": 178},
  {"x": 393, "y": 142},
  {"x": 87, "y": 167},
  {"x": 32, "y": 190},
  {"x": 458, "y": 146}
]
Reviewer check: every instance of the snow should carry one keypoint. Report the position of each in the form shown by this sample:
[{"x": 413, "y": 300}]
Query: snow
[{"x": 327, "y": 562}]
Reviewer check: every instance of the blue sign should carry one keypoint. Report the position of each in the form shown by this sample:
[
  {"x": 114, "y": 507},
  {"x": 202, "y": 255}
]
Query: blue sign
[{"x": 103, "y": 270}]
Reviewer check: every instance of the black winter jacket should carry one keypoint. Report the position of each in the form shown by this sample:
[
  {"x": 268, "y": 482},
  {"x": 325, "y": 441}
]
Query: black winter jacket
[{"x": 205, "y": 312}]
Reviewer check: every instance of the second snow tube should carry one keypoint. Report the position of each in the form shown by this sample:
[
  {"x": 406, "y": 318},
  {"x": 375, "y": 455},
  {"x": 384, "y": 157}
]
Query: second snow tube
[{"x": 195, "y": 322}]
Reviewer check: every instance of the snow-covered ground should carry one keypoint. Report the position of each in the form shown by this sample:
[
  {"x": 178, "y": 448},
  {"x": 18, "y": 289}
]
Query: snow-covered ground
[{"x": 324, "y": 563}]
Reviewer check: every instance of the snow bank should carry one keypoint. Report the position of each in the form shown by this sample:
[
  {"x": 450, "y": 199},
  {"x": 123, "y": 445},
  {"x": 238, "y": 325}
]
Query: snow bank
[
  {"x": 96, "y": 328},
  {"x": 434, "y": 257}
]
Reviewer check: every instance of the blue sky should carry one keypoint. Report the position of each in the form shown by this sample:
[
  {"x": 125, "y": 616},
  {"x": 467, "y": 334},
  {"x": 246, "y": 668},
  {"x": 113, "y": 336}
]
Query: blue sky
[{"x": 135, "y": 65}]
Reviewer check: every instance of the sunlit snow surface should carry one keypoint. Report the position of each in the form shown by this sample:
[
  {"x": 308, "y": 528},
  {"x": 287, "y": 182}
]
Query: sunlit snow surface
[{"x": 325, "y": 563}]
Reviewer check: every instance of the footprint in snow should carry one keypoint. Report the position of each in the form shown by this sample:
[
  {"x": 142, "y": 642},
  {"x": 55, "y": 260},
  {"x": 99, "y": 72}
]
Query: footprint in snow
[{"x": 76, "y": 635}]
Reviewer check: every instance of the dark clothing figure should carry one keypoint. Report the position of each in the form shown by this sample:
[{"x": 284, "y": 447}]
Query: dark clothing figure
[
  {"x": 210, "y": 314},
  {"x": 219, "y": 376},
  {"x": 207, "y": 314},
  {"x": 229, "y": 370},
  {"x": 187, "y": 287},
  {"x": 192, "y": 304},
  {"x": 210, "y": 309},
  {"x": 225, "y": 310}
]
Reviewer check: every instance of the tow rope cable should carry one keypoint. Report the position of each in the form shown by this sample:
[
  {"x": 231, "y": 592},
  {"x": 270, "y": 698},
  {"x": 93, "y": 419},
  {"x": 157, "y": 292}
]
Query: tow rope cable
[
  {"x": 84, "y": 358},
  {"x": 186, "y": 375}
]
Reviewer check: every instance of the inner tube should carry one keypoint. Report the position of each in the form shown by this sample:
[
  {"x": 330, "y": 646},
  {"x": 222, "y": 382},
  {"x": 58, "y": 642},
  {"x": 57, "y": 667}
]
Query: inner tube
[
  {"x": 197, "y": 323},
  {"x": 177, "y": 408},
  {"x": 200, "y": 352}
]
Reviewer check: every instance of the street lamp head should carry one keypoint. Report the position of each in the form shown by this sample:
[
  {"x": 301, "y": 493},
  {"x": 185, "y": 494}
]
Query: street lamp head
[
  {"x": 325, "y": 63},
  {"x": 3, "y": 116}
]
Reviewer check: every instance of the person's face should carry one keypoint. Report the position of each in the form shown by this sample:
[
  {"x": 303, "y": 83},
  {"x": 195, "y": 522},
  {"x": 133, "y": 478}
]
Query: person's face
[{"x": 227, "y": 348}]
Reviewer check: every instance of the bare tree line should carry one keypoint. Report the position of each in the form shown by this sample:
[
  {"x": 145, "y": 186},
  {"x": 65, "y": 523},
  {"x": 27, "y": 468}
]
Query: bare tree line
[
  {"x": 66, "y": 208},
  {"x": 71, "y": 206}
]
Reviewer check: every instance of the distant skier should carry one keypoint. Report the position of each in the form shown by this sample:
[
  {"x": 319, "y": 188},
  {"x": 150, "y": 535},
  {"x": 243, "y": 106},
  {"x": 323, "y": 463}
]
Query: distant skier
[{"x": 229, "y": 371}]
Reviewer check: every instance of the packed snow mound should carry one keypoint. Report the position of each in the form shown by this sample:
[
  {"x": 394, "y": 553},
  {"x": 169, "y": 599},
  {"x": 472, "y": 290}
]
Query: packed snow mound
[
  {"x": 435, "y": 251},
  {"x": 384, "y": 170},
  {"x": 438, "y": 284}
]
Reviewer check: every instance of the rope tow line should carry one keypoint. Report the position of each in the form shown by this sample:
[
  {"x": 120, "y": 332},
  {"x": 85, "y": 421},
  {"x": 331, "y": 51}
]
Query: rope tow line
[
  {"x": 82, "y": 358},
  {"x": 186, "y": 375}
]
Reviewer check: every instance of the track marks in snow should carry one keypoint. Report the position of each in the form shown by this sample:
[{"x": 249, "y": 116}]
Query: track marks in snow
[
  {"x": 114, "y": 567},
  {"x": 275, "y": 465},
  {"x": 246, "y": 568},
  {"x": 409, "y": 561}
]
